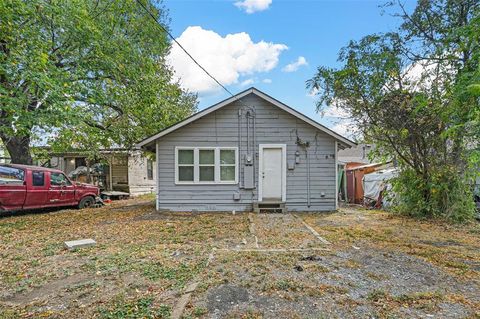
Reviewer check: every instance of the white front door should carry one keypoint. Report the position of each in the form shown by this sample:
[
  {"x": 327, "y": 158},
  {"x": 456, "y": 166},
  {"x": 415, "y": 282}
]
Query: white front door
[{"x": 272, "y": 177}]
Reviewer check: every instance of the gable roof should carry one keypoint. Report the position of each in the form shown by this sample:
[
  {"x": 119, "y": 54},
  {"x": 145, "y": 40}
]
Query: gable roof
[{"x": 345, "y": 142}]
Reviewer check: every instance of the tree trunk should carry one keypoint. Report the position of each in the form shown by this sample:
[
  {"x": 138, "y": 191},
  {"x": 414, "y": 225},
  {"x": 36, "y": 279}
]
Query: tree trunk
[{"x": 19, "y": 148}]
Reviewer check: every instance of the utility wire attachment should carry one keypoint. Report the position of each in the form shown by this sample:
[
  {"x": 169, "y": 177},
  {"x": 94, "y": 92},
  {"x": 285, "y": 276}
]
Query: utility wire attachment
[{"x": 184, "y": 50}]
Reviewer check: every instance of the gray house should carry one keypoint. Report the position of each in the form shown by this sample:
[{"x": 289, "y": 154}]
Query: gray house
[{"x": 247, "y": 152}]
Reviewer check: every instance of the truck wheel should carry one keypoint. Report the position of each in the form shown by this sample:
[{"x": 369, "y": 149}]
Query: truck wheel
[{"x": 86, "y": 202}]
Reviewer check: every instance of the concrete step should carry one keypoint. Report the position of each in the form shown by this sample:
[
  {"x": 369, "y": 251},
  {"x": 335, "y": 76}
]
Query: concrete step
[{"x": 269, "y": 207}]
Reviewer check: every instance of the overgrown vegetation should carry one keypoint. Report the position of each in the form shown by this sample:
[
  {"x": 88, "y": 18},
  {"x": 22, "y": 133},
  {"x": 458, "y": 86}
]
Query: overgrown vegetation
[{"x": 414, "y": 93}]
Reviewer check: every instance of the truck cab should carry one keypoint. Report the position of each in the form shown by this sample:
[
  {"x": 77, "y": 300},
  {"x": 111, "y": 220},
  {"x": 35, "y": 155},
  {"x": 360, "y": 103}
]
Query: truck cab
[{"x": 31, "y": 187}]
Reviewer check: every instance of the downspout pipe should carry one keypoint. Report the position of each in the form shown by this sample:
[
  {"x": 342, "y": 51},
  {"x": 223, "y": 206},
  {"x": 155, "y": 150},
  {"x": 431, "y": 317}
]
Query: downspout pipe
[
  {"x": 254, "y": 148},
  {"x": 248, "y": 132},
  {"x": 308, "y": 177},
  {"x": 240, "y": 146}
]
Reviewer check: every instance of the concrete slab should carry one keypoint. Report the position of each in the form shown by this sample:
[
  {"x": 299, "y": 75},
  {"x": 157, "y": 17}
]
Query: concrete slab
[
  {"x": 81, "y": 243},
  {"x": 177, "y": 311}
]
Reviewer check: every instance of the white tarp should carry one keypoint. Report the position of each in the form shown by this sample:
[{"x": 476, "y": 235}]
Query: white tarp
[{"x": 375, "y": 182}]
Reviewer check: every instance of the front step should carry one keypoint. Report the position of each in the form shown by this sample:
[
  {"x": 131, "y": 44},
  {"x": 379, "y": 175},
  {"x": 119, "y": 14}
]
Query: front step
[{"x": 269, "y": 207}]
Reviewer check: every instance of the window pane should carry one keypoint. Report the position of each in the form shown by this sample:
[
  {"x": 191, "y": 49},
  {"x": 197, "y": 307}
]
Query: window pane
[
  {"x": 227, "y": 156},
  {"x": 185, "y": 173},
  {"x": 11, "y": 175},
  {"x": 185, "y": 157},
  {"x": 207, "y": 173},
  {"x": 207, "y": 157},
  {"x": 227, "y": 173},
  {"x": 149, "y": 169},
  {"x": 55, "y": 179},
  {"x": 58, "y": 179},
  {"x": 38, "y": 178}
]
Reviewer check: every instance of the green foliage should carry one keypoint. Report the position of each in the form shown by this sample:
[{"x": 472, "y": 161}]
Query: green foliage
[
  {"x": 88, "y": 74},
  {"x": 413, "y": 93},
  {"x": 445, "y": 195},
  {"x": 141, "y": 308}
]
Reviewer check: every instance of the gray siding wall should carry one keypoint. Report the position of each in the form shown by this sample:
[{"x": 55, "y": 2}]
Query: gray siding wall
[{"x": 273, "y": 126}]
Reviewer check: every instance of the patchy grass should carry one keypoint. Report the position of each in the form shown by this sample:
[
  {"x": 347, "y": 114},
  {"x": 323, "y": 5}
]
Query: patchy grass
[
  {"x": 386, "y": 304},
  {"x": 146, "y": 197},
  {"x": 378, "y": 265},
  {"x": 142, "y": 308},
  {"x": 140, "y": 254},
  {"x": 455, "y": 248}
]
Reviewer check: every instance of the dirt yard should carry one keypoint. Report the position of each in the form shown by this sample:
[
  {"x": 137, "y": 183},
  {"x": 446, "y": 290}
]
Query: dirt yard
[{"x": 350, "y": 264}]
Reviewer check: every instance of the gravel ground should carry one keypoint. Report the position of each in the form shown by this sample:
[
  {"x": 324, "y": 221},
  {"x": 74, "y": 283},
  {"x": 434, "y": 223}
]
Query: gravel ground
[
  {"x": 363, "y": 283},
  {"x": 359, "y": 280}
]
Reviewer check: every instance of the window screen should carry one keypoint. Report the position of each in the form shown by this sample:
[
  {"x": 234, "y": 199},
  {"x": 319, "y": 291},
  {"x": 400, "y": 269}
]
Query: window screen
[
  {"x": 227, "y": 165},
  {"x": 207, "y": 165},
  {"x": 38, "y": 178},
  {"x": 185, "y": 165}
]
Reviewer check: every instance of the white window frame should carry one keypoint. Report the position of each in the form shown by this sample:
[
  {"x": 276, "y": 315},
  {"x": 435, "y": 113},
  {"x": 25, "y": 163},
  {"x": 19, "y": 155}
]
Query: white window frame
[{"x": 196, "y": 165}]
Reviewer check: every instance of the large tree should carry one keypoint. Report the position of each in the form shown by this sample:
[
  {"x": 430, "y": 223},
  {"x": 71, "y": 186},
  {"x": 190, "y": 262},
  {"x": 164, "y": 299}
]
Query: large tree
[
  {"x": 84, "y": 74},
  {"x": 412, "y": 92}
]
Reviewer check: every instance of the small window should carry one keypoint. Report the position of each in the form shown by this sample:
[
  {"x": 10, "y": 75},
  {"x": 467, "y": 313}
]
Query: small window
[
  {"x": 227, "y": 165},
  {"x": 185, "y": 165},
  {"x": 80, "y": 161},
  {"x": 38, "y": 178},
  {"x": 59, "y": 179},
  {"x": 149, "y": 169},
  {"x": 207, "y": 165}
]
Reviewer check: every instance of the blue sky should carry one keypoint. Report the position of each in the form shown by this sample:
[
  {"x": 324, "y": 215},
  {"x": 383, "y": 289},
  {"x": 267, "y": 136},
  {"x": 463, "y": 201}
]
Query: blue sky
[{"x": 314, "y": 30}]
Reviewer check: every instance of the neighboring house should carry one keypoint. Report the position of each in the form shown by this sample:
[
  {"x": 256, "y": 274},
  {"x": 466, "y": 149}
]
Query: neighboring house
[
  {"x": 355, "y": 155},
  {"x": 347, "y": 159},
  {"x": 4, "y": 158},
  {"x": 248, "y": 151},
  {"x": 119, "y": 170},
  {"x": 355, "y": 164}
]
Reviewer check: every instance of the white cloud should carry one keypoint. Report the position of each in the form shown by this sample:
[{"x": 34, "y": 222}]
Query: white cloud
[
  {"x": 251, "y": 6},
  {"x": 294, "y": 66},
  {"x": 247, "y": 82},
  {"x": 421, "y": 75},
  {"x": 312, "y": 93},
  {"x": 336, "y": 112},
  {"x": 267, "y": 81},
  {"x": 340, "y": 128},
  {"x": 344, "y": 128},
  {"x": 342, "y": 120},
  {"x": 226, "y": 58}
]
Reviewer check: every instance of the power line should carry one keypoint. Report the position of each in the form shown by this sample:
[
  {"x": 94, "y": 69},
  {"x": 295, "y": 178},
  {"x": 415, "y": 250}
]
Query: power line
[{"x": 184, "y": 50}]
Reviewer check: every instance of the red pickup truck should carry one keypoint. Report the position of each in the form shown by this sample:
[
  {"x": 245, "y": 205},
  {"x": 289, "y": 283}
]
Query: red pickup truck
[{"x": 29, "y": 187}]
